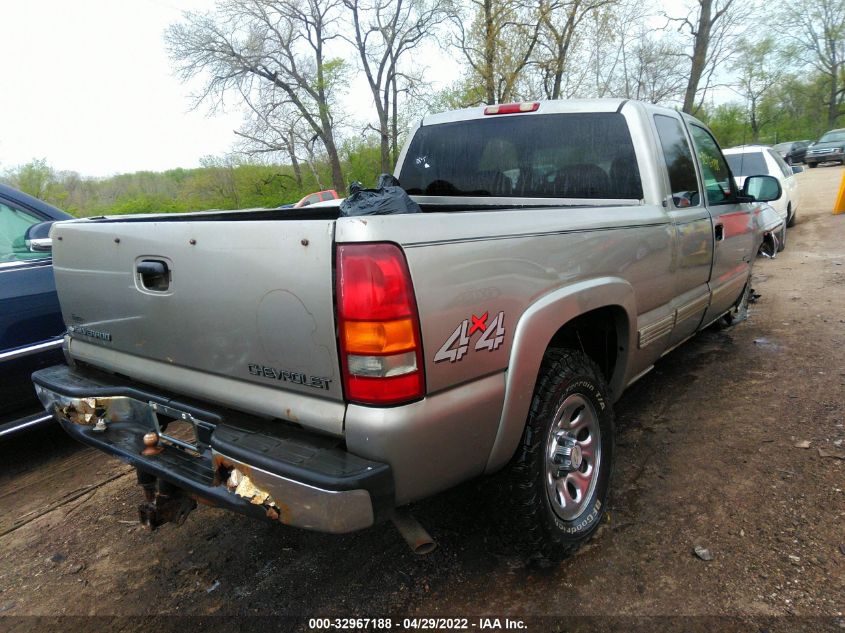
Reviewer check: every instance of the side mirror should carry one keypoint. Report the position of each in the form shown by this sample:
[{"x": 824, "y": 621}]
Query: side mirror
[
  {"x": 797, "y": 169},
  {"x": 762, "y": 188},
  {"x": 37, "y": 238}
]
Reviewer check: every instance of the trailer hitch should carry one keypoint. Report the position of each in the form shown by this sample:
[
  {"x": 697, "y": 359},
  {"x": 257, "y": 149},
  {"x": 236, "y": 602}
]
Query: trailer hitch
[{"x": 163, "y": 502}]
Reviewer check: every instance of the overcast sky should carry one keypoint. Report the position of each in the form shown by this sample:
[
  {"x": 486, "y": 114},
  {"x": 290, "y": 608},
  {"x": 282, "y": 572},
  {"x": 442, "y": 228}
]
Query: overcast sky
[{"x": 87, "y": 85}]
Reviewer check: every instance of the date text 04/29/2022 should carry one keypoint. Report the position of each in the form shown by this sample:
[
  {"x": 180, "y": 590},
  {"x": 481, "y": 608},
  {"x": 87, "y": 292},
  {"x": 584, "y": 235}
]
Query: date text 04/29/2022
[{"x": 430, "y": 624}]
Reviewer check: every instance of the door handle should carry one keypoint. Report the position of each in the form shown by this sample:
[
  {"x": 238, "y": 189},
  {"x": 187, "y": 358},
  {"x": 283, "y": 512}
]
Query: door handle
[
  {"x": 719, "y": 231},
  {"x": 153, "y": 274}
]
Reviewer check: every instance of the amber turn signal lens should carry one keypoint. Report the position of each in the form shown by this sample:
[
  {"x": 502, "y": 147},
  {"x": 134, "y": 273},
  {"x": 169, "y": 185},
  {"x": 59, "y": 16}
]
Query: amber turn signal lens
[{"x": 379, "y": 337}]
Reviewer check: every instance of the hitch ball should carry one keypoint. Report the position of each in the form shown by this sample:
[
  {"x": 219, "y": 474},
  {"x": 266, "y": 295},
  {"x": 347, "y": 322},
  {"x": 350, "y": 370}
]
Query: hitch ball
[{"x": 151, "y": 445}]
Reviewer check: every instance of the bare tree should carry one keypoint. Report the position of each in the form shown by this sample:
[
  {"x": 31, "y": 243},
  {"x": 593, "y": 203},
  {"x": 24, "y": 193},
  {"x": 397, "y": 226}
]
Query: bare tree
[
  {"x": 384, "y": 32},
  {"x": 244, "y": 44},
  {"x": 651, "y": 71},
  {"x": 497, "y": 38},
  {"x": 560, "y": 20},
  {"x": 610, "y": 50},
  {"x": 607, "y": 35},
  {"x": 272, "y": 127},
  {"x": 712, "y": 25},
  {"x": 817, "y": 28}
]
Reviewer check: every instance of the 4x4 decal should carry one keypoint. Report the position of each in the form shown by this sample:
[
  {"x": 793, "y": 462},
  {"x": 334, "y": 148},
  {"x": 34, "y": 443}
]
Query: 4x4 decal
[{"x": 457, "y": 345}]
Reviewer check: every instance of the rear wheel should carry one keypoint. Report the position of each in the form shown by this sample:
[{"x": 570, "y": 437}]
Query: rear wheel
[
  {"x": 782, "y": 238},
  {"x": 560, "y": 475},
  {"x": 790, "y": 216},
  {"x": 812, "y": 165}
]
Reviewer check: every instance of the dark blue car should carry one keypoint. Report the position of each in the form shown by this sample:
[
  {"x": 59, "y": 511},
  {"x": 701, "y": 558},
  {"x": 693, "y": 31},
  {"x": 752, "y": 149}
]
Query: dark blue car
[{"x": 31, "y": 324}]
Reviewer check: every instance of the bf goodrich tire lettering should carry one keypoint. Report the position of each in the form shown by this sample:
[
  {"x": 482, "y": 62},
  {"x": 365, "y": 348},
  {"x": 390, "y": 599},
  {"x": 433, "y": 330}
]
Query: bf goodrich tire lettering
[{"x": 560, "y": 476}]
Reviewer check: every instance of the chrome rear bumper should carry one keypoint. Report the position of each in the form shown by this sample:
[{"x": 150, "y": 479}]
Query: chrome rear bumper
[{"x": 255, "y": 467}]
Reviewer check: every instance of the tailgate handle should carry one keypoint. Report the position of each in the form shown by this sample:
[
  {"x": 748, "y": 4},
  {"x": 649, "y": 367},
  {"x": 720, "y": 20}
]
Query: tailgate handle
[{"x": 154, "y": 274}]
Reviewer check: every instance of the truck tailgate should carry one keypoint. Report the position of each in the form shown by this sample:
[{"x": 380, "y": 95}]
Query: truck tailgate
[{"x": 236, "y": 311}]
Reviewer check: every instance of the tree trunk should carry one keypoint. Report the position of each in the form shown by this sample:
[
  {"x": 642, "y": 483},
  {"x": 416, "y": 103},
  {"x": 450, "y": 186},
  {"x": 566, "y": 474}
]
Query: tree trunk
[
  {"x": 338, "y": 181},
  {"x": 833, "y": 106},
  {"x": 489, "y": 52},
  {"x": 699, "y": 54},
  {"x": 755, "y": 124},
  {"x": 394, "y": 133},
  {"x": 297, "y": 168},
  {"x": 384, "y": 130}
]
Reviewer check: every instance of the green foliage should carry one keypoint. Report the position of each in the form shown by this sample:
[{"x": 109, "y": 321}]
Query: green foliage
[
  {"x": 363, "y": 161},
  {"x": 792, "y": 110},
  {"x": 36, "y": 178},
  {"x": 145, "y": 203},
  {"x": 728, "y": 123},
  {"x": 220, "y": 183}
]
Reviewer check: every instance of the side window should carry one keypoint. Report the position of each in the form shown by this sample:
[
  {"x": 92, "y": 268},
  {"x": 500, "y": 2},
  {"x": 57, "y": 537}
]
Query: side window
[
  {"x": 718, "y": 183},
  {"x": 13, "y": 225},
  {"x": 326, "y": 195},
  {"x": 679, "y": 162},
  {"x": 785, "y": 169},
  {"x": 314, "y": 197}
]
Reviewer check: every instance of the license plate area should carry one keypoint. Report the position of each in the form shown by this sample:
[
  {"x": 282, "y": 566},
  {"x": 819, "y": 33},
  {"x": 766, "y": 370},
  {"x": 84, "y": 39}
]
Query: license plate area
[{"x": 179, "y": 428}]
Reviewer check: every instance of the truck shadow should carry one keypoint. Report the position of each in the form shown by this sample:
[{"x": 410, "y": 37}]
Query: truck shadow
[{"x": 291, "y": 571}]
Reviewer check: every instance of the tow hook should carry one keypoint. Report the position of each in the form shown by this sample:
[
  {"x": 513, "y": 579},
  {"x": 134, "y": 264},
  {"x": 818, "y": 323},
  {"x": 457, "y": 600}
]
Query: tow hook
[{"x": 164, "y": 503}]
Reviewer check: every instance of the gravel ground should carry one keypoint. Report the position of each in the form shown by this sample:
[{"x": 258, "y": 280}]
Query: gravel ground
[{"x": 734, "y": 443}]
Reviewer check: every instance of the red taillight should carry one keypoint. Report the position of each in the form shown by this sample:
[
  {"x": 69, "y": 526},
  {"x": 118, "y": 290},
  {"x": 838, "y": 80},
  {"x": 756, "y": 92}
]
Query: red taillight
[
  {"x": 512, "y": 108},
  {"x": 378, "y": 325}
]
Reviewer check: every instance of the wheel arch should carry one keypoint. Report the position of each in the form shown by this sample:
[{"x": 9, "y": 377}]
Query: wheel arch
[{"x": 566, "y": 317}]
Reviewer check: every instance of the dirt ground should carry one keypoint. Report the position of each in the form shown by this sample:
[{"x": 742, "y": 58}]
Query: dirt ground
[{"x": 733, "y": 443}]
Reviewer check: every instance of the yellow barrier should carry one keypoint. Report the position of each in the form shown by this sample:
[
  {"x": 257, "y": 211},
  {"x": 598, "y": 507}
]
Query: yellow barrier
[{"x": 839, "y": 207}]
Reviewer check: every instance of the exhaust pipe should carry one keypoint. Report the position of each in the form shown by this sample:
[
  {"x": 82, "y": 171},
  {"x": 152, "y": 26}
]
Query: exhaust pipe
[{"x": 418, "y": 539}]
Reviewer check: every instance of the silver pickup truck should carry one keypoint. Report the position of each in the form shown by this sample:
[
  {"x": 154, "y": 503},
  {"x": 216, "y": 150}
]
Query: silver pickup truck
[{"x": 322, "y": 370}]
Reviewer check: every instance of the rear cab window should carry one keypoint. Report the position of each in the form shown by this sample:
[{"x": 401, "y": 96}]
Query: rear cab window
[
  {"x": 577, "y": 155},
  {"x": 679, "y": 162}
]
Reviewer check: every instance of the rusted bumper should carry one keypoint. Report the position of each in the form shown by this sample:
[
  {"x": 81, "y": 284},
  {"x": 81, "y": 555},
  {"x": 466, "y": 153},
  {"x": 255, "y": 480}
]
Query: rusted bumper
[{"x": 261, "y": 468}]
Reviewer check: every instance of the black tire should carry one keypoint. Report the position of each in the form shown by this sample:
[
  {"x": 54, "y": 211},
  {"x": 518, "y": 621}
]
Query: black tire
[
  {"x": 567, "y": 379},
  {"x": 790, "y": 216},
  {"x": 782, "y": 238},
  {"x": 812, "y": 165}
]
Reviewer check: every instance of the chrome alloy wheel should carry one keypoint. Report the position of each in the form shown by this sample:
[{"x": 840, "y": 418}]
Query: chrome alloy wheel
[{"x": 573, "y": 457}]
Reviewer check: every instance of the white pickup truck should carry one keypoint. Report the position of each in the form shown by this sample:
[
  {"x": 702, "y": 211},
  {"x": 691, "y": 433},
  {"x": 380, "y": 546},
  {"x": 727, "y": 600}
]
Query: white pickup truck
[{"x": 322, "y": 370}]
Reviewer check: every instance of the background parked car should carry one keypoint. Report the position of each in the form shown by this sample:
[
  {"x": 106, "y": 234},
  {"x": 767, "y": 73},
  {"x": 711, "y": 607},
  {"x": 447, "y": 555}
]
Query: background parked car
[
  {"x": 752, "y": 160},
  {"x": 320, "y": 196},
  {"x": 30, "y": 319},
  {"x": 312, "y": 198},
  {"x": 830, "y": 148},
  {"x": 793, "y": 151}
]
